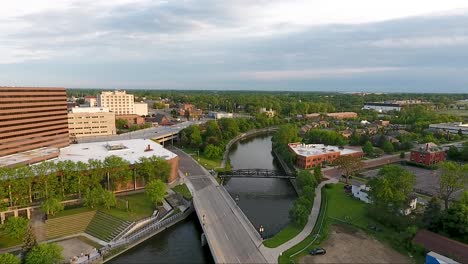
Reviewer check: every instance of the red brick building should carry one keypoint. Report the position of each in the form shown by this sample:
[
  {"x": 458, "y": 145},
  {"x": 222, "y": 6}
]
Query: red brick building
[
  {"x": 132, "y": 119},
  {"x": 309, "y": 156},
  {"x": 428, "y": 154}
]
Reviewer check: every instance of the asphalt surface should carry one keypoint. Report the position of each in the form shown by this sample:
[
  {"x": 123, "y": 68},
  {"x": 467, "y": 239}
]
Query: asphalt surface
[{"x": 230, "y": 236}]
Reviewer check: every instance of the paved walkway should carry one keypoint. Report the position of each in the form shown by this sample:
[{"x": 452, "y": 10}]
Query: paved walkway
[{"x": 272, "y": 254}]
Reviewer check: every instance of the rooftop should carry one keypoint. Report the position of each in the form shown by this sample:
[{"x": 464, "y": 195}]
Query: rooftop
[
  {"x": 29, "y": 156},
  {"x": 317, "y": 149},
  {"x": 130, "y": 150}
]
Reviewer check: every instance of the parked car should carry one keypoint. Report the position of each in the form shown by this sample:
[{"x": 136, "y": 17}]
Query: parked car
[{"x": 318, "y": 251}]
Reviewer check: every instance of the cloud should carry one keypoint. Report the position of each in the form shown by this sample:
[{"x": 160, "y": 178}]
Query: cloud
[
  {"x": 421, "y": 42},
  {"x": 309, "y": 74}
]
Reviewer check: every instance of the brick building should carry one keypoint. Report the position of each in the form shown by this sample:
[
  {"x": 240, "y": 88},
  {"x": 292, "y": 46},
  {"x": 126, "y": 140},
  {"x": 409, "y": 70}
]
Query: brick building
[
  {"x": 132, "y": 119},
  {"x": 427, "y": 154},
  {"x": 309, "y": 156},
  {"x": 32, "y": 118}
]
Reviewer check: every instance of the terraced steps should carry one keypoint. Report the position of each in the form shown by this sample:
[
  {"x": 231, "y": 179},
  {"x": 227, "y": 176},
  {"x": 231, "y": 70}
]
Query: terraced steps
[
  {"x": 106, "y": 227},
  {"x": 68, "y": 225}
]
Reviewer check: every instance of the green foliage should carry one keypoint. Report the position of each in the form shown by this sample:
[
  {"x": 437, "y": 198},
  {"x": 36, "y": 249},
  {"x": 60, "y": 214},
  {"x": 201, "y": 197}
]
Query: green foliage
[
  {"x": 52, "y": 206},
  {"x": 45, "y": 253},
  {"x": 29, "y": 240},
  {"x": 454, "y": 221},
  {"x": 431, "y": 217},
  {"x": 155, "y": 190},
  {"x": 348, "y": 165},
  {"x": 213, "y": 152},
  {"x": 318, "y": 174},
  {"x": 454, "y": 178},
  {"x": 16, "y": 227},
  {"x": 368, "y": 149},
  {"x": 118, "y": 170},
  {"x": 286, "y": 134},
  {"x": 121, "y": 123},
  {"x": 183, "y": 190},
  {"x": 298, "y": 214},
  {"x": 153, "y": 168},
  {"x": 387, "y": 147},
  {"x": 391, "y": 188},
  {"x": 327, "y": 137},
  {"x": 402, "y": 155},
  {"x": 7, "y": 258},
  {"x": 99, "y": 197},
  {"x": 305, "y": 178}
]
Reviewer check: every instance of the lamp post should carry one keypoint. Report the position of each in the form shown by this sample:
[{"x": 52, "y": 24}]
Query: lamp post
[
  {"x": 261, "y": 230},
  {"x": 198, "y": 155}
]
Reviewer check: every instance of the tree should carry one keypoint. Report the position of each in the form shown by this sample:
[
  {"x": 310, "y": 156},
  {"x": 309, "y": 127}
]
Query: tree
[
  {"x": 368, "y": 149},
  {"x": 187, "y": 114},
  {"x": 121, "y": 123},
  {"x": 348, "y": 165},
  {"x": 97, "y": 197},
  {"x": 455, "y": 221},
  {"x": 94, "y": 175},
  {"x": 8, "y": 258},
  {"x": 318, "y": 174},
  {"x": 29, "y": 240},
  {"x": 305, "y": 178},
  {"x": 298, "y": 214},
  {"x": 432, "y": 214},
  {"x": 108, "y": 199},
  {"x": 52, "y": 206},
  {"x": 195, "y": 137},
  {"x": 308, "y": 192},
  {"x": 213, "y": 152},
  {"x": 20, "y": 185},
  {"x": 16, "y": 227},
  {"x": 46, "y": 182},
  {"x": 118, "y": 171},
  {"x": 388, "y": 147},
  {"x": 155, "y": 190},
  {"x": 453, "y": 178},
  {"x": 391, "y": 188},
  {"x": 45, "y": 253}
]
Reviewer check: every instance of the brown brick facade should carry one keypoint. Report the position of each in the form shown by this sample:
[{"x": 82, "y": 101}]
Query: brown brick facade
[{"x": 31, "y": 118}]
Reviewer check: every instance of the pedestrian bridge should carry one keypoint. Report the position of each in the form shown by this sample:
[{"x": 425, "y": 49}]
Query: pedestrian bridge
[{"x": 254, "y": 173}]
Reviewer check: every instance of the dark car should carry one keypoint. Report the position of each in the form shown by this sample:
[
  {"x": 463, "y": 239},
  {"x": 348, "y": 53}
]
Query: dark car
[{"x": 317, "y": 251}]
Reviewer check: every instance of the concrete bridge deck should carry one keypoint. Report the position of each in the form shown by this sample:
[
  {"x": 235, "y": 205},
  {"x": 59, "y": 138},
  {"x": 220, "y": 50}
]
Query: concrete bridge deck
[{"x": 230, "y": 235}]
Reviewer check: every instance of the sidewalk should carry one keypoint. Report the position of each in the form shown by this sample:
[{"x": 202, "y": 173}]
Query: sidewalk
[{"x": 272, "y": 254}]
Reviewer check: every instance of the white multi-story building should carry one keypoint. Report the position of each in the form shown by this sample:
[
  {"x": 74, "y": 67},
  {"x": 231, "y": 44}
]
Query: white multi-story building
[
  {"x": 382, "y": 107},
  {"x": 141, "y": 108},
  {"x": 90, "y": 121},
  {"x": 118, "y": 102}
]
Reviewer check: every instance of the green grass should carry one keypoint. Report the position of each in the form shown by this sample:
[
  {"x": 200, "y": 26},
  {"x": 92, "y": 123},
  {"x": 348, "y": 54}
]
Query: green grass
[
  {"x": 183, "y": 190},
  {"x": 89, "y": 242},
  {"x": 71, "y": 212},
  {"x": 139, "y": 207},
  {"x": 283, "y": 236},
  {"x": 106, "y": 227},
  {"x": 204, "y": 161},
  {"x": 342, "y": 209},
  {"x": 6, "y": 241}
]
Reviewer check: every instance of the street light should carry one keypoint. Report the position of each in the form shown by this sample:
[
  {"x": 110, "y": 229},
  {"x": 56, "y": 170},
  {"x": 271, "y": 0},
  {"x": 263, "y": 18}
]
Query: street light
[{"x": 261, "y": 230}]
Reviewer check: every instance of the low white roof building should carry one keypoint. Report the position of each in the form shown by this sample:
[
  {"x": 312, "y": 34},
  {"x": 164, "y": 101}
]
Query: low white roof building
[
  {"x": 131, "y": 150},
  {"x": 307, "y": 150}
]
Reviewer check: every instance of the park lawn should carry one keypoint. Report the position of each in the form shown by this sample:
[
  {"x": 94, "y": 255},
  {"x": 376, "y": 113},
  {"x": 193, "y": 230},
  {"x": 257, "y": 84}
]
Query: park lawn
[
  {"x": 183, "y": 190},
  {"x": 6, "y": 241},
  {"x": 283, "y": 236},
  {"x": 73, "y": 211},
  {"x": 341, "y": 209},
  {"x": 204, "y": 161},
  {"x": 139, "y": 207}
]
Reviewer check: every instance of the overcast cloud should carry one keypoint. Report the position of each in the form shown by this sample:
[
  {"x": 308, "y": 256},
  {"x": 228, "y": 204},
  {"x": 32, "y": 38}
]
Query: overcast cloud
[{"x": 360, "y": 45}]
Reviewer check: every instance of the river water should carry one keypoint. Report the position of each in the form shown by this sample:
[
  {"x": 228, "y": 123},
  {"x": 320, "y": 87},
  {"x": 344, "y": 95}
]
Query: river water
[{"x": 264, "y": 201}]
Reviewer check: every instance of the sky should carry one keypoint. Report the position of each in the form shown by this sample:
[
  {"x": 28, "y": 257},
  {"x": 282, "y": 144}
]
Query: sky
[{"x": 306, "y": 45}]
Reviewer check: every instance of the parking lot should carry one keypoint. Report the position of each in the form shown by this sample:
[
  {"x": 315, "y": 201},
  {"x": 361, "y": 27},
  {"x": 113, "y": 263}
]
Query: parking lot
[
  {"x": 426, "y": 180},
  {"x": 348, "y": 245}
]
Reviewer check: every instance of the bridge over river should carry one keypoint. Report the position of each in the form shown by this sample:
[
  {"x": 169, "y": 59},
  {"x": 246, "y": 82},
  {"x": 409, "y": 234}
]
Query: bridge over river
[
  {"x": 254, "y": 173},
  {"x": 230, "y": 235}
]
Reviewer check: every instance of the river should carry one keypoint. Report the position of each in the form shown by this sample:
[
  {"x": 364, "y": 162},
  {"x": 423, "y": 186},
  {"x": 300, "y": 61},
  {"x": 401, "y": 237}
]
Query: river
[{"x": 264, "y": 201}]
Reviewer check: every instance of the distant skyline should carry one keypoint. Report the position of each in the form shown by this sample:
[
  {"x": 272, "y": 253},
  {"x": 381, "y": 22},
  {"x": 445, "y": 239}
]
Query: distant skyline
[{"x": 296, "y": 45}]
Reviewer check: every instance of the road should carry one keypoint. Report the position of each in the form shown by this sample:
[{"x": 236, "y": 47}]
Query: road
[
  {"x": 230, "y": 235},
  {"x": 147, "y": 133}
]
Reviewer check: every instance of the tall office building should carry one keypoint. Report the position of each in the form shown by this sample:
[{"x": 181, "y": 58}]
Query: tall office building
[
  {"x": 32, "y": 118},
  {"x": 118, "y": 102}
]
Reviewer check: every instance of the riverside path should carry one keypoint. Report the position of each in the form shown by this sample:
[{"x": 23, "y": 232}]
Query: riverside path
[{"x": 230, "y": 235}]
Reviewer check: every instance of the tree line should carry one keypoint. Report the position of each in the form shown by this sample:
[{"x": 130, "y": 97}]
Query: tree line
[{"x": 23, "y": 185}]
